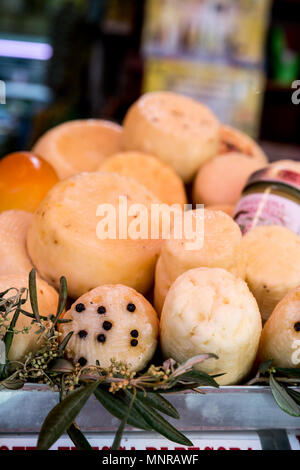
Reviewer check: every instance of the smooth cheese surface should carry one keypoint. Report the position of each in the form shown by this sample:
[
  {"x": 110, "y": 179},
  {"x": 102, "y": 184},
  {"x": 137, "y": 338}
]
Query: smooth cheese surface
[{"x": 63, "y": 238}]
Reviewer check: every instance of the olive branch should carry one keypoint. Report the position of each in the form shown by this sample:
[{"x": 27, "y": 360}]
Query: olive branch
[{"x": 134, "y": 398}]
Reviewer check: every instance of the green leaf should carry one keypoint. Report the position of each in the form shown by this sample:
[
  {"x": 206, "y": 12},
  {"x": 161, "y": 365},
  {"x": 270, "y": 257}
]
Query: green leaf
[
  {"x": 9, "y": 335},
  {"x": 120, "y": 431},
  {"x": 78, "y": 438},
  {"x": 265, "y": 366},
  {"x": 160, "y": 425},
  {"x": 289, "y": 372},
  {"x": 118, "y": 408},
  {"x": 283, "y": 399},
  {"x": 62, "y": 416},
  {"x": 158, "y": 402},
  {"x": 196, "y": 376},
  {"x": 294, "y": 394},
  {"x": 33, "y": 295},
  {"x": 63, "y": 295},
  {"x": 64, "y": 342},
  {"x": 180, "y": 388}
]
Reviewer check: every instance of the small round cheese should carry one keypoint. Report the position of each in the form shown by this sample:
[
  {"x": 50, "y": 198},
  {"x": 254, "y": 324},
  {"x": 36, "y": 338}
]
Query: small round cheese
[
  {"x": 219, "y": 239},
  {"x": 111, "y": 322},
  {"x": 180, "y": 131},
  {"x": 280, "y": 339},
  {"x": 208, "y": 310},
  {"x": 64, "y": 238},
  {"x": 14, "y": 258},
  {"x": 158, "y": 177},
  {"x": 272, "y": 257},
  {"x": 23, "y": 343},
  {"x": 79, "y": 145}
]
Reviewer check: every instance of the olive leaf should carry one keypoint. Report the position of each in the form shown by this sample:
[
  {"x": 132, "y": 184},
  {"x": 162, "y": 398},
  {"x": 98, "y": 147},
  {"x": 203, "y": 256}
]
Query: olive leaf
[
  {"x": 289, "y": 372},
  {"x": 159, "y": 424},
  {"x": 33, "y": 295},
  {"x": 64, "y": 342},
  {"x": 118, "y": 407},
  {"x": 63, "y": 295},
  {"x": 181, "y": 388},
  {"x": 78, "y": 438},
  {"x": 62, "y": 416},
  {"x": 120, "y": 431},
  {"x": 9, "y": 335},
  {"x": 158, "y": 402},
  {"x": 263, "y": 368},
  {"x": 190, "y": 363},
  {"x": 283, "y": 399},
  {"x": 12, "y": 384},
  {"x": 198, "y": 377},
  {"x": 294, "y": 394}
]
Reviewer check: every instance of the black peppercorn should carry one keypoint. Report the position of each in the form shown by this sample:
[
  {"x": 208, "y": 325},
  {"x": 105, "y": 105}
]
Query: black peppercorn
[
  {"x": 134, "y": 342},
  {"x": 297, "y": 326},
  {"x": 82, "y": 361},
  {"x": 134, "y": 333},
  {"x": 101, "y": 338},
  {"x": 131, "y": 307},
  {"x": 107, "y": 325},
  {"x": 80, "y": 308},
  {"x": 101, "y": 310},
  {"x": 82, "y": 334}
]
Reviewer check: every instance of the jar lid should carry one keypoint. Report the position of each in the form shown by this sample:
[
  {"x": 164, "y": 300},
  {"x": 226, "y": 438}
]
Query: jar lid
[{"x": 286, "y": 172}]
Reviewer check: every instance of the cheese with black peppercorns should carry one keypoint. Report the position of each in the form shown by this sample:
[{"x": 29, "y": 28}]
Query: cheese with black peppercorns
[{"x": 111, "y": 322}]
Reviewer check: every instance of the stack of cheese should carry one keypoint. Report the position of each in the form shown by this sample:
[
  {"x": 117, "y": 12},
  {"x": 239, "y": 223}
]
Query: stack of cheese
[{"x": 211, "y": 292}]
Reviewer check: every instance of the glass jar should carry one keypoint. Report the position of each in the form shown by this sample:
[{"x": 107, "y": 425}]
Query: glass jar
[{"x": 271, "y": 197}]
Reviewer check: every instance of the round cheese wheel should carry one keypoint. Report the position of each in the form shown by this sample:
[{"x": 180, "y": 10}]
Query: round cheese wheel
[
  {"x": 180, "y": 131},
  {"x": 80, "y": 145},
  {"x": 218, "y": 245},
  {"x": 272, "y": 257},
  {"x": 23, "y": 343},
  {"x": 221, "y": 180},
  {"x": 14, "y": 258},
  {"x": 68, "y": 238},
  {"x": 158, "y": 177},
  {"x": 208, "y": 310},
  {"x": 280, "y": 339},
  {"x": 111, "y": 322}
]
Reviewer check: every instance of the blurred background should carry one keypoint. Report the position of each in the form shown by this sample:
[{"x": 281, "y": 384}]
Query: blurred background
[{"x": 65, "y": 59}]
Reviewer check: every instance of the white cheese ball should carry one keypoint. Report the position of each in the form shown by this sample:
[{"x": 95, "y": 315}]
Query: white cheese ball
[
  {"x": 23, "y": 343},
  {"x": 219, "y": 247},
  {"x": 14, "y": 258},
  {"x": 175, "y": 128},
  {"x": 272, "y": 257},
  {"x": 111, "y": 322},
  {"x": 208, "y": 310},
  {"x": 280, "y": 339}
]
